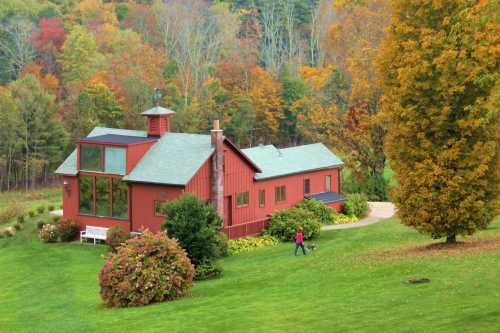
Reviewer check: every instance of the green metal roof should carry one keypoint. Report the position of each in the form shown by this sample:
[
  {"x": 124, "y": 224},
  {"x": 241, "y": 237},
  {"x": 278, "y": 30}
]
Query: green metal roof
[
  {"x": 173, "y": 160},
  {"x": 157, "y": 111},
  {"x": 276, "y": 162},
  {"x": 68, "y": 167}
]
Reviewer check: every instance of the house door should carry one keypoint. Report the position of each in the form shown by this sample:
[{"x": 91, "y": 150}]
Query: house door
[{"x": 228, "y": 211}]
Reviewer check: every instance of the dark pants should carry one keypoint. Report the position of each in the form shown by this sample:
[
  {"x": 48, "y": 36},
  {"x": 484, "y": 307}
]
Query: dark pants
[{"x": 301, "y": 245}]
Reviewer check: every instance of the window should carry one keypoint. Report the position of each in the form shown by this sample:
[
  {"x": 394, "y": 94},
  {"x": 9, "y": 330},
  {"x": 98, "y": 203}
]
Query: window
[
  {"x": 86, "y": 195},
  {"x": 120, "y": 198},
  {"x": 158, "y": 207},
  {"x": 241, "y": 199},
  {"x": 328, "y": 183},
  {"x": 102, "y": 207},
  {"x": 280, "y": 193},
  {"x": 307, "y": 186},
  {"x": 103, "y": 196},
  {"x": 90, "y": 158},
  {"x": 114, "y": 160},
  {"x": 262, "y": 198}
]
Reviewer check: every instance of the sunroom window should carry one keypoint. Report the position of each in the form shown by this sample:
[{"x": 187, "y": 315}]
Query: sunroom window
[
  {"x": 103, "y": 196},
  {"x": 114, "y": 160},
  {"x": 90, "y": 158}
]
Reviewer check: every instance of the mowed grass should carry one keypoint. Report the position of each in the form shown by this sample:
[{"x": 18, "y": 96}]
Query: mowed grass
[{"x": 350, "y": 284}]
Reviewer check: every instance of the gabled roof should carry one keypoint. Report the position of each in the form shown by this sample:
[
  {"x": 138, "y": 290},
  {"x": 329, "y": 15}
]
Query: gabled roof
[
  {"x": 173, "y": 160},
  {"x": 68, "y": 167},
  {"x": 276, "y": 162},
  {"x": 157, "y": 111}
]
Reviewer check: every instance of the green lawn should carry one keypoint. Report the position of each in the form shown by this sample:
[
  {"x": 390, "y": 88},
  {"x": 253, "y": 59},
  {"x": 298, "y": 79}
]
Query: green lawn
[{"x": 348, "y": 284}]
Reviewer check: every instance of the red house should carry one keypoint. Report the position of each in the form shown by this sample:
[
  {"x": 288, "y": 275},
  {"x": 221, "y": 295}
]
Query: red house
[{"x": 118, "y": 176}]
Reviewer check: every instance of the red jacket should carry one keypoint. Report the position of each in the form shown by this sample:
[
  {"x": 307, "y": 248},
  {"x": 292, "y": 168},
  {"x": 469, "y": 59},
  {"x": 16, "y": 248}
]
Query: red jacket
[{"x": 299, "y": 238}]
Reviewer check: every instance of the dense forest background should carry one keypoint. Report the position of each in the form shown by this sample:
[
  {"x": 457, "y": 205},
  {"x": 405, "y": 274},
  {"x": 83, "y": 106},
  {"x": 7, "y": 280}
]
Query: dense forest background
[{"x": 281, "y": 72}]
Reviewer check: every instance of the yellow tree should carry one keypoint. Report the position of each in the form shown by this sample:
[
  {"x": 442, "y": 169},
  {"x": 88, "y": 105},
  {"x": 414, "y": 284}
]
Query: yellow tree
[{"x": 441, "y": 80}]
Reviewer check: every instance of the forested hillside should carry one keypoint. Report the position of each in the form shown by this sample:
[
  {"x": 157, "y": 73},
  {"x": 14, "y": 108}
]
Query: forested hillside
[{"x": 282, "y": 72}]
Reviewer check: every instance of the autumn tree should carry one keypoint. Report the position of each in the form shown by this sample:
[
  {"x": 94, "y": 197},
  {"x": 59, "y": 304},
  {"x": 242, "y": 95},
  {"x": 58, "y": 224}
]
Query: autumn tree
[{"x": 441, "y": 80}]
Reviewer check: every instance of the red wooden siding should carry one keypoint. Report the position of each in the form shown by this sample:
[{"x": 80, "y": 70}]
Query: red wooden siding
[
  {"x": 135, "y": 152},
  {"x": 201, "y": 183},
  {"x": 143, "y": 197}
]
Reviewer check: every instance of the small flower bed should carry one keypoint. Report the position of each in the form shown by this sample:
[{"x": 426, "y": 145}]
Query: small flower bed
[
  {"x": 338, "y": 218},
  {"x": 247, "y": 244},
  {"x": 65, "y": 230},
  {"x": 49, "y": 233}
]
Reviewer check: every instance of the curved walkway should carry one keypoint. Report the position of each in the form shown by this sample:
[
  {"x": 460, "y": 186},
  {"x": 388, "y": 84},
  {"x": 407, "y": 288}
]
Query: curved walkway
[{"x": 378, "y": 211}]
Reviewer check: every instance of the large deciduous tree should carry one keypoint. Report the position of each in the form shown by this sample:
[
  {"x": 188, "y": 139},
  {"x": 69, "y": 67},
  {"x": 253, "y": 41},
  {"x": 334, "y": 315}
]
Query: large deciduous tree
[{"x": 441, "y": 79}]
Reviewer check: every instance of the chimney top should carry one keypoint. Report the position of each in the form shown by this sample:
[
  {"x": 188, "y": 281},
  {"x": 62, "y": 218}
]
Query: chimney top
[{"x": 216, "y": 125}]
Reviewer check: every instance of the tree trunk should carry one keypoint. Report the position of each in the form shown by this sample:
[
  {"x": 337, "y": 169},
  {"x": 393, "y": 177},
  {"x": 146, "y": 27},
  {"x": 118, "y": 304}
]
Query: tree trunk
[{"x": 451, "y": 239}]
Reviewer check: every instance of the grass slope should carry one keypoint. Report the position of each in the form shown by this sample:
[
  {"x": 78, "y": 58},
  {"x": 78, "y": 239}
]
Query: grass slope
[{"x": 348, "y": 284}]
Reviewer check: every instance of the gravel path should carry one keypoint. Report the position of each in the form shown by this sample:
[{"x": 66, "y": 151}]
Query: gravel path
[{"x": 378, "y": 211}]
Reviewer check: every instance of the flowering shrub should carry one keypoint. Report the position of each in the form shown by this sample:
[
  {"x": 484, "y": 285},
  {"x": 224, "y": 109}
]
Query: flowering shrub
[
  {"x": 284, "y": 224},
  {"x": 116, "y": 235},
  {"x": 49, "y": 233},
  {"x": 68, "y": 229},
  {"x": 251, "y": 243},
  {"x": 343, "y": 219},
  {"x": 148, "y": 268},
  {"x": 321, "y": 211}
]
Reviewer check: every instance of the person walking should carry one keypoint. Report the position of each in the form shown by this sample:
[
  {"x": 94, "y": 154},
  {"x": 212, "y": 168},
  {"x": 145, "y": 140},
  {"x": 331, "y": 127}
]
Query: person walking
[{"x": 299, "y": 242}]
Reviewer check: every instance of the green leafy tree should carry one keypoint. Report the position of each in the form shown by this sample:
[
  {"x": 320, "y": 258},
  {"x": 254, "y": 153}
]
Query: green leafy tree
[
  {"x": 96, "y": 106},
  {"x": 441, "y": 78},
  {"x": 79, "y": 59}
]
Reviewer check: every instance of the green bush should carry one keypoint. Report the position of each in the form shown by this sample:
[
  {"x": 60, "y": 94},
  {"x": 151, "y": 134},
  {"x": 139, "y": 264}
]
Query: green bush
[
  {"x": 321, "y": 211},
  {"x": 20, "y": 219},
  {"x": 343, "y": 219},
  {"x": 68, "y": 230},
  {"x": 375, "y": 187},
  {"x": 195, "y": 225},
  {"x": 356, "y": 204},
  {"x": 51, "y": 208},
  {"x": 165, "y": 273},
  {"x": 116, "y": 235},
  {"x": 18, "y": 226},
  {"x": 40, "y": 209},
  {"x": 208, "y": 270},
  {"x": 11, "y": 212},
  {"x": 49, "y": 233},
  {"x": 31, "y": 214},
  {"x": 250, "y": 243},
  {"x": 284, "y": 224}
]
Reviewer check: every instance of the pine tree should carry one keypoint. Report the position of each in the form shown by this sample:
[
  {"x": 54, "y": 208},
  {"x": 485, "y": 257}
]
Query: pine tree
[{"x": 441, "y": 78}]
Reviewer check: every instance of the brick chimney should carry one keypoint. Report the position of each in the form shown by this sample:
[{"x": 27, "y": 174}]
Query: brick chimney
[
  {"x": 218, "y": 169},
  {"x": 158, "y": 121}
]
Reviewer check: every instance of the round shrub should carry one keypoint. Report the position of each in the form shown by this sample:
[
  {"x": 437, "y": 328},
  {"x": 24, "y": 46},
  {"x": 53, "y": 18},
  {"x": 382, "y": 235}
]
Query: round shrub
[
  {"x": 56, "y": 219},
  {"x": 321, "y": 211},
  {"x": 20, "y": 219},
  {"x": 31, "y": 213},
  {"x": 195, "y": 225},
  {"x": 356, "y": 204},
  {"x": 18, "y": 226},
  {"x": 49, "y": 233},
  {"x": 284, "y": 224},
  {"x": 51, "y": 208},
  {"x": 40, "y": 209},
  {"x": 68, "y": 229},
  {"x": 148, "y": 268},
  {"x": 116, "y": 235}
]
